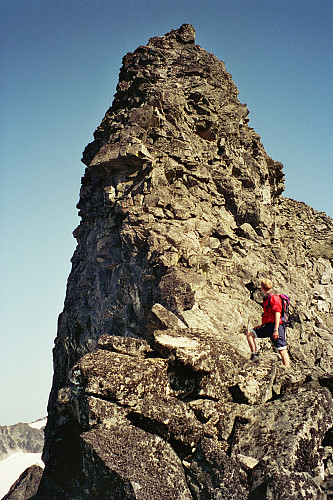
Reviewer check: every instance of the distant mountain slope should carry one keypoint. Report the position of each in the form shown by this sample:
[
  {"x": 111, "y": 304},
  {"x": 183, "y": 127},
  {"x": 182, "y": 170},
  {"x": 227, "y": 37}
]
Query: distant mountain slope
[{"x": 28, "y": 438}]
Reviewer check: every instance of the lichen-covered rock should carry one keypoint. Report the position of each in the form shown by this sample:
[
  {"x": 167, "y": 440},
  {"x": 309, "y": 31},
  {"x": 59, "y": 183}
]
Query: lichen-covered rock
[
  {"x": 211, "y": 473},
  {"x": 272, "y": 484},
  {"x": 285, "y": 437},
  {"x": 255, "y": 383},
  {"x": 153, "y": 394},
  {"x": 124, "y": 345},
  {"x": 203, "y": 364},
  {"x": 171, "y": 419},
  {"x": 136, "y": 464},
  {"x": 120, "y": 378}
]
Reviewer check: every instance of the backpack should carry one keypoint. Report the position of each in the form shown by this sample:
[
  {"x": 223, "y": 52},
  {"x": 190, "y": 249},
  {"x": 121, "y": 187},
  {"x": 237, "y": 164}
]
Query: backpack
[{"x": 285, "y": 313}]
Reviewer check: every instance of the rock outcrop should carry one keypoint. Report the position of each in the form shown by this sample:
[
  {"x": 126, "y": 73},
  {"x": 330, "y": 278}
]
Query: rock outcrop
[
  {"x": 153, "y": 393},
  {"x": 26, "y": 486}
]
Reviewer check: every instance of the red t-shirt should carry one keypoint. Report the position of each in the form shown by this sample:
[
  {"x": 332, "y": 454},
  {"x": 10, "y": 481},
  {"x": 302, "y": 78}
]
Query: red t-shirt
[{"x": 270, "y": 308}]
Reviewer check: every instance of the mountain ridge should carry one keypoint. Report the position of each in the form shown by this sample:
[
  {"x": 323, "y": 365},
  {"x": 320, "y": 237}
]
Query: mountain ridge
[{"x": 21, "y": 437}]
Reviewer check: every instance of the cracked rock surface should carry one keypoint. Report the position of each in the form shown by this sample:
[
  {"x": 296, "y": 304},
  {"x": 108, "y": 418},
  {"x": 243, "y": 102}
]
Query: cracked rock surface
[{"x": 182, "y": 213}]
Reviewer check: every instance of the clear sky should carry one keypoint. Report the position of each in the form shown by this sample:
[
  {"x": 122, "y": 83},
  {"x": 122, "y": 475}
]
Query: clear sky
[{"x": 60, "y": 62}]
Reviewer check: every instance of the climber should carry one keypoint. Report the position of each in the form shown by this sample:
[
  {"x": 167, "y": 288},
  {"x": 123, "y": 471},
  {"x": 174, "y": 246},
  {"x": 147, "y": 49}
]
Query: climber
[{"x": 271, "y": 326}]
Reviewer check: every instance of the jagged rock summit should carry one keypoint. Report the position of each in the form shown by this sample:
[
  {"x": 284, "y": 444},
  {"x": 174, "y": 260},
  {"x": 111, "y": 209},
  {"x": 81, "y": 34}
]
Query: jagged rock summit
[{"x": 153, "y": 393}]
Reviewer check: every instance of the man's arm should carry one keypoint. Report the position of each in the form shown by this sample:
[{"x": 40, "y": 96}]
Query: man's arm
[{"x": 276, "y": 325}]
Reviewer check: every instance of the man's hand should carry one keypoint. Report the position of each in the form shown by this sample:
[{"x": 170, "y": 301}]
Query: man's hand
[{"x": 276, "y": 326}]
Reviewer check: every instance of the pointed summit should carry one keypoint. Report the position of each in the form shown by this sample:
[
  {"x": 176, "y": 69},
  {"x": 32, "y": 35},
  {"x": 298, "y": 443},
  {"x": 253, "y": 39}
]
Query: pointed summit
[
  {"x": 176, "y": 102},
  {"x": 185, "y": 34}
]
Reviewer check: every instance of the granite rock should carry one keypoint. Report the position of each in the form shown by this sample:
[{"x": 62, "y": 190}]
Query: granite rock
[{"x": 182, "y": 213}]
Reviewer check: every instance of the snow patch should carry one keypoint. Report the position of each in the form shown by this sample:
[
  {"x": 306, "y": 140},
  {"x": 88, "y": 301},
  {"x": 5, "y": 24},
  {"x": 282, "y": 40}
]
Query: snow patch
[{"x": 38, "y": 424}]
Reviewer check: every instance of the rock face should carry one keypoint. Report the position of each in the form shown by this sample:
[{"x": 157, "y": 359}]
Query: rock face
[{"x": 153, "y": 393}]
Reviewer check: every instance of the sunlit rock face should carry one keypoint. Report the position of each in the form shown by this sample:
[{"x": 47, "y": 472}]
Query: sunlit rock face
[{"x": 153, "y": 393}]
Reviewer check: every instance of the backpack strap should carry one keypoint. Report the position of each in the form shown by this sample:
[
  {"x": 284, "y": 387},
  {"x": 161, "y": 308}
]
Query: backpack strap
[{"x": 269, "y": 299}]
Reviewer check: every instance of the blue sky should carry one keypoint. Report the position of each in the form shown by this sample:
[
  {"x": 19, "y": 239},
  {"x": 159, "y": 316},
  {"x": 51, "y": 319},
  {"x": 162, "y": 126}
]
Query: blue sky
[{"x": 60, "y": 63}]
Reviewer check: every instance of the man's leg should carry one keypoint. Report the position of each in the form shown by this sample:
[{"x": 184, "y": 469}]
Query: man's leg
[
  {"x": 285, "y": 358},
  {"x": 251, "y": 341},
  {"x": 281, "y": 345}
]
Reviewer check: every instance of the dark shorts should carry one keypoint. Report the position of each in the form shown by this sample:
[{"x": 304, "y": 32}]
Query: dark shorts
[{"x": 266, "y": 331}]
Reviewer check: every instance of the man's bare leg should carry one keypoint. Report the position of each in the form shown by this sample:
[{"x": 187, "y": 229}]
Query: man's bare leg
[
  {"x": 285, "y": 358},
  {"x": 251, "y": 341}
]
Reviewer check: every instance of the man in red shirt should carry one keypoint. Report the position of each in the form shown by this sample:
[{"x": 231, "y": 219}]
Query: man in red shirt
[{"x": 271, "y": 326}]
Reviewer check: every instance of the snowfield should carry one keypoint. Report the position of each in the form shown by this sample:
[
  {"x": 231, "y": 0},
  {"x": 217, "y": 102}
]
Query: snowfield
[{"x": 12, "y": 467}]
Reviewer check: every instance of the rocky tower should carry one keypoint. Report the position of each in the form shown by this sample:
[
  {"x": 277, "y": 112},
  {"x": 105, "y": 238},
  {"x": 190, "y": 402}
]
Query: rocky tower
[{"x": 153, "y": 395}]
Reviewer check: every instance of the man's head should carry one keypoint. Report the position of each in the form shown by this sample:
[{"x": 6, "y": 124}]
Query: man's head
[{"x": 266, "y": 286}]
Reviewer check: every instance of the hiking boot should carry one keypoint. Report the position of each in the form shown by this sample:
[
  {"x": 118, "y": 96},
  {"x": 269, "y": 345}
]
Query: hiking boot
[{"x": 255, "y": 358}]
